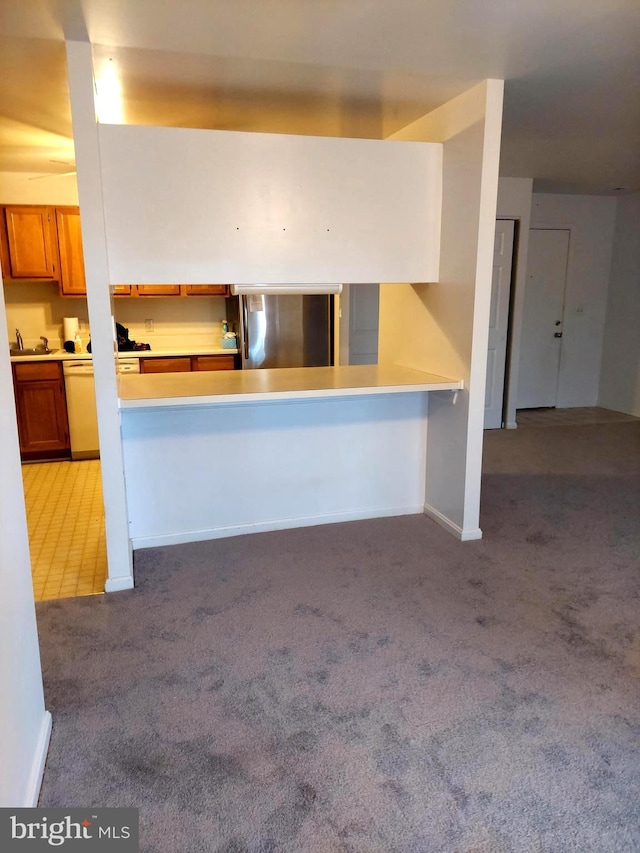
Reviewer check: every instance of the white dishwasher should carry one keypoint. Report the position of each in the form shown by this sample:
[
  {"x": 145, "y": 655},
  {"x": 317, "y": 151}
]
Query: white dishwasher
[{"x": 81, "y": 404}]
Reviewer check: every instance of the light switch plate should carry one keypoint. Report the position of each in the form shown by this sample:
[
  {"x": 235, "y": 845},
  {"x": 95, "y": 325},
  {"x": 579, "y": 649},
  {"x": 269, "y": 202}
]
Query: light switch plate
[{"x": 148, "y": 325}]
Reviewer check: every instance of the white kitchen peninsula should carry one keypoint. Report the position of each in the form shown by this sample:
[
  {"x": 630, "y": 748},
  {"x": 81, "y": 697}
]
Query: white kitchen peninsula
[
  {"x": 218, "y": 454},
  {"x": 275, "y": 208}
]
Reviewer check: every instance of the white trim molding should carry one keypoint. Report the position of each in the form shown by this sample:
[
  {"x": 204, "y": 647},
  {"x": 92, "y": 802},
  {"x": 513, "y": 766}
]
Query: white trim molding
[
  {"x": 451, "y": 527},
  {"x": 205, "y": 534},
  {"x": 32, "y": 793}
]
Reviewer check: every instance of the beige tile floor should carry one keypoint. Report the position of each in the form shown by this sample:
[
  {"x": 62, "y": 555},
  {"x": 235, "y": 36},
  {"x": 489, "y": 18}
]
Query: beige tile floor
[
  {"x": 65, "y": 517},
  {"x": 569, "y": 417}
]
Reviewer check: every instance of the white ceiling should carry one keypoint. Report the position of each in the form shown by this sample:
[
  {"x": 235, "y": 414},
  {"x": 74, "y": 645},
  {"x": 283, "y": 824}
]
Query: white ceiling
[{"x": 340, "y": 67}]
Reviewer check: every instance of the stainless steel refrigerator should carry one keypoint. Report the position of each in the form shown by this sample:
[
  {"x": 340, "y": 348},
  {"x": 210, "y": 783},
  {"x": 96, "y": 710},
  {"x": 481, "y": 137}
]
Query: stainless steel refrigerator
[{"x": 292, "y": 330}]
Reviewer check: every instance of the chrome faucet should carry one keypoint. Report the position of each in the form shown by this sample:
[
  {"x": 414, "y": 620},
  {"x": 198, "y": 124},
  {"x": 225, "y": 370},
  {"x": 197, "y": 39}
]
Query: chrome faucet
[
  {"x": 45, "y": 341},
  {"x": 19, "y": 341}
]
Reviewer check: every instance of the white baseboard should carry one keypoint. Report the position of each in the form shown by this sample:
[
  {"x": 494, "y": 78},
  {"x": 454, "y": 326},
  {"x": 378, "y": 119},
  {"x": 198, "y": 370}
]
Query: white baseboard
[
  {"x": 183, "y": 537},
  {"x": 452, "y": 527},
  {"x": 511, "y": 425},
  {"x": 118, "y": 584},
  {"x": 37, "y": 769}
]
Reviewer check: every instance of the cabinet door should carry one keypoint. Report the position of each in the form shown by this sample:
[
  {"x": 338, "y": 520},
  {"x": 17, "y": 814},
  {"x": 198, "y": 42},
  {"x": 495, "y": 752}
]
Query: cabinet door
[
  {"x": 122, "y": 290},
  {"x": 31, "y": 241},
  {"x": 43, "y": 425},
  {"x": 212, "y": 362},
  {"x": 72, "y": 280},
  {"x": 158, "y": 290},
  {"x": 176, "y": 364},
  {"x": 206, "y": 289}
]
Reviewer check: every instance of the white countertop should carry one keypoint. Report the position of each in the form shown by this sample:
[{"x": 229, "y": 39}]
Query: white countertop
[
  {"x": 159, "y": 390},
  {"x": 61, "y": 355}
]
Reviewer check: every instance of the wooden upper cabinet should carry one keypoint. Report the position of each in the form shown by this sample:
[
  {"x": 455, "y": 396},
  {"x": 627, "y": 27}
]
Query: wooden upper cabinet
[
  {"x": 206, "y": 289},
  {"x": 45, "y": 243},
  {"x": 122, "y": 290},
  {"x": 31, "y": 242},
  {"x": 158, "y": 290},
  {"x": 72, "y": 279}
]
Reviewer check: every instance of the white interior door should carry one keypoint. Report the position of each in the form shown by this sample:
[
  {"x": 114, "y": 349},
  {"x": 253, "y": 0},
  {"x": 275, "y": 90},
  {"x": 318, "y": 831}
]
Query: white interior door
[
  {"x": 541, "y": 341},
  {"x": 364, "y": 308},
  {"x": 498, "y": 323}
]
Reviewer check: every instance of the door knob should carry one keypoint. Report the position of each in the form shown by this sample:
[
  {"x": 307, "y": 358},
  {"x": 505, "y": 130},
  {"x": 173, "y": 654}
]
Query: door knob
[{"x": 557, "y": 334}]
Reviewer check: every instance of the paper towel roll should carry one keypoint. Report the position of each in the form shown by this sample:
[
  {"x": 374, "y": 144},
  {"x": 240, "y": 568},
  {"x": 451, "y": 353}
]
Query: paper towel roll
[{"x": 70, "y": 325}]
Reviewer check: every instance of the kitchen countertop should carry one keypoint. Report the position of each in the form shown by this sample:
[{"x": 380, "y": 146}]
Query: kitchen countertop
[
  {"x": 61, "y": 355},
  {"x": 159, "y": 390}
]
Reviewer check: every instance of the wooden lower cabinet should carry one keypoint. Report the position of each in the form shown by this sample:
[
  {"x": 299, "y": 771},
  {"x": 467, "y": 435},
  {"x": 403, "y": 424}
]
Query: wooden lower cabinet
[
  {"x": 213, "y": 362},
  {"x": 165, "y": 365},
  {"x": 185, "y": 364},
  {"x": 43, "y": 423}
]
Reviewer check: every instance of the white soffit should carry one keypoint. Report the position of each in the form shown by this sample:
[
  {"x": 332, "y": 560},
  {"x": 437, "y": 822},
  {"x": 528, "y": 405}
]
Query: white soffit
[{"x": 200, "y": 206}]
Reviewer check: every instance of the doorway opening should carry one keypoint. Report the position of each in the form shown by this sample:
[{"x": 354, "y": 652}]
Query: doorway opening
[
  {"x": 63, "y": 497},
  {"x": 65, "y": 520}
]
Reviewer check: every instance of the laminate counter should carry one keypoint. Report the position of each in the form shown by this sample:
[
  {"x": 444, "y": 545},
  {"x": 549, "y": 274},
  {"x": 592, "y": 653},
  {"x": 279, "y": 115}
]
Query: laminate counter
[
  {"x": 253, "y": 386},
  {"x": 62, "y": 355}
]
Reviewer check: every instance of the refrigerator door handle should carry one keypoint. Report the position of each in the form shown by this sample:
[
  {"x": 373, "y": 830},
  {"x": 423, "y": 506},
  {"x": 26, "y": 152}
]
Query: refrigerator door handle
[{"x": 245, "y": 324}]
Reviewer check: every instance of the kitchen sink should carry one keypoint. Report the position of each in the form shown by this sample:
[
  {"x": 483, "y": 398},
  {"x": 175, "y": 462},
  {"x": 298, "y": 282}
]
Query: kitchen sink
[{"x": 31, "y": 352}]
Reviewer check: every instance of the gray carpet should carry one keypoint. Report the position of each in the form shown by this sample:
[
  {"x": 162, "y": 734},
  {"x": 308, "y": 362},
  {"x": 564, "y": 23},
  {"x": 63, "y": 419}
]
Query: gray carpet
[{"x": 375, "y": 687}]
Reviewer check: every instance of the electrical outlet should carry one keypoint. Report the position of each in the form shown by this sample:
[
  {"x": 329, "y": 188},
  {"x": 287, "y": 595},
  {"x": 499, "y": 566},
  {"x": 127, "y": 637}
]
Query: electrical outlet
[{"x": 148, "y": 325}]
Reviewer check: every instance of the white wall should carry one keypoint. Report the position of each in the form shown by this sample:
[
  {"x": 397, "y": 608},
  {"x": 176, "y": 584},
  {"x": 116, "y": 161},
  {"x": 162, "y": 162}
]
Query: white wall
[
  {"x": 177, "y": 321},
  {"x": 303, "y": 462},
  {"x": 36, "y": 308},
  {"x": 620, "y": 375},
  {"x": 24, "y": 723},
  {"x": 514, "y": 202},
  {"x": 443, "y": 327},
  {"x": 227, "y": 206},
  {"x": 591, "y": 221},
  {"x": 28, "y": 188}
]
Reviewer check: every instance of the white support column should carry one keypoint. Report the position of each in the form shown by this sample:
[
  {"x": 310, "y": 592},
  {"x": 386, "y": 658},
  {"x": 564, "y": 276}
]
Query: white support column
[
  {"x": 87, "y": 147},
  {"x": 490, "y": 162},
  {"x": 444, "y": 325}
]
